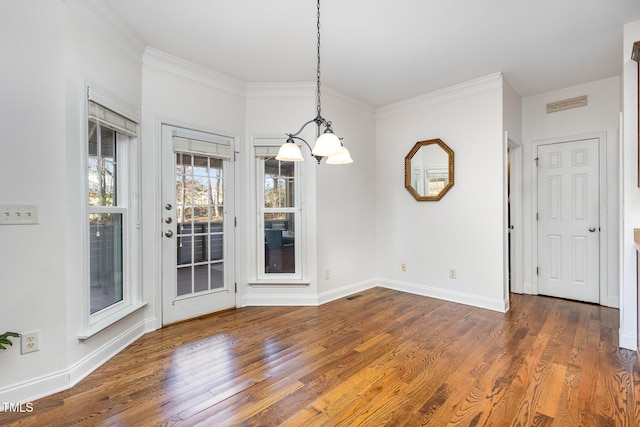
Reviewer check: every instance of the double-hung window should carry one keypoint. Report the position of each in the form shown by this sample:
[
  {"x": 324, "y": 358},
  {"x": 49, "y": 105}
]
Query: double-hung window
[
  {"x": 279, "y": 217},
  {"x": 112, "y": 226}
]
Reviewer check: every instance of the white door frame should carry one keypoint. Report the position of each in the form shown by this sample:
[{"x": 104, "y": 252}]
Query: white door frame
[
  {"x": 602, "y": 202},
  {"x": 158, "y": 210},
  {"x": 515, "y": 204}
]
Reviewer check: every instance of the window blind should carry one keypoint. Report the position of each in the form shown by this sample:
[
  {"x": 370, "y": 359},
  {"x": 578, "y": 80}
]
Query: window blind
[
  {"x": 112, "y": 119},
  {"x": 208, "y": 148},
  {"x": 266, "y": 150}
]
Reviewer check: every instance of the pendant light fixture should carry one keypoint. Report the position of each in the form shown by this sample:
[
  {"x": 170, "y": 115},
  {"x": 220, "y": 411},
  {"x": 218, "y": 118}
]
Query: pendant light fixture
[{"x": 327, "y": 143}]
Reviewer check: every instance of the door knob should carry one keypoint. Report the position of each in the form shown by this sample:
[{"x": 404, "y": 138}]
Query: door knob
[
  {"x": 592, "y": 229},
  {"x": 168, "y": 220},
  {"x": 168, "y": 233},
  {"x": 168, "y": 206}
]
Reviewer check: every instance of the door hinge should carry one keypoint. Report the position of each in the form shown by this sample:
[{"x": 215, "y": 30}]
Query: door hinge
[
  {"x": 235, "y": 221},
  {"x": 538, "y": 271},
  {"x": 536, "y": 160},
  {"x": 236, "y": 287},
  {"x": 537, "y": 216}
]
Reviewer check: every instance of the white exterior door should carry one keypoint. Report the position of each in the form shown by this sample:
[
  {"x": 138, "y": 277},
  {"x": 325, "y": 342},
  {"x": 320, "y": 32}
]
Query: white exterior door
[
  {"x": 568, "y": 220},
  {"x": 198, "y": 274}
]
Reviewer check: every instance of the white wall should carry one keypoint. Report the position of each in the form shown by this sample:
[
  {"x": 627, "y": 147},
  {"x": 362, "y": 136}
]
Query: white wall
[
  {"x": 341, "y": 216},
  {"x": 179, "y": 93},
  {"x": 32, "y": 261},
  {"x": 631, "y": 192},
  {"x": 346, "y": 203},
  {"x": 54, "y": 54},
  {"x": 602, "y": 114},
  {"x": 465, "y": 229},
  {"x": 272, "y": 111}
]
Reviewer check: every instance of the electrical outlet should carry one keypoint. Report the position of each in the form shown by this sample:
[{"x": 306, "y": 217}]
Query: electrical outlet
[
  {"x": 452, "y": 273},
  {"x": 327, "y": 274},
  {"x": 403, "y": 267},
  {"x": 29, "y": 342}
]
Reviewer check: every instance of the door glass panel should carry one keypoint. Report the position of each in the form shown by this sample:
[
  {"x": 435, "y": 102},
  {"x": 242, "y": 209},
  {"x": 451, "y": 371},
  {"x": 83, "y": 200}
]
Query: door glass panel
[
  {"x": 200, "y": 223},
  {"x": 105, "y": 263}
]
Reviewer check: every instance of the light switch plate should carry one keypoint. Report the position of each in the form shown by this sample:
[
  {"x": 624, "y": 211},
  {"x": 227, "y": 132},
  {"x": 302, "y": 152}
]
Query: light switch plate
[{"x": 19, "y": 214}]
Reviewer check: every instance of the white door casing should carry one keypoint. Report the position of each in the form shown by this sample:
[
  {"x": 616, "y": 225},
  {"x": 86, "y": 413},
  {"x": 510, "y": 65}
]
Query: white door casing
[
  {"x": 198, "y": 269},
  {"x": 568, "y": 220}
]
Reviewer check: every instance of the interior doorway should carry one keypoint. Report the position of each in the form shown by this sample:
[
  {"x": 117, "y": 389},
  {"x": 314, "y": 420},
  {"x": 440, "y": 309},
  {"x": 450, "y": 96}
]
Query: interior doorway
[{"x": 514, "y": 217}]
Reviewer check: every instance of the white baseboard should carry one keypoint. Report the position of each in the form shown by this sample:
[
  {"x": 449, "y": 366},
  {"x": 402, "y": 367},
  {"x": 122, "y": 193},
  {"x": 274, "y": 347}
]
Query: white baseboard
[
  {"x": 345, "y": 291},
  {"x": 443, "y": 294},
  {"x": 264, "y": 300},
  {"x": 293, "y": 299},
  {"x": 45, "y": 385}
]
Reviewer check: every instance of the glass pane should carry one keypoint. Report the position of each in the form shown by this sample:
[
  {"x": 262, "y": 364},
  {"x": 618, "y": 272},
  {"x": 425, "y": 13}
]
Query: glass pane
[
  {"x": 93, "y": 181},
  {"x": 200, "y": 166},
  {"x": 184, "y": 280},
  {"x": 217, "y": 275},
  {"x": 184, "y": 217},
  {"x": 184, "y": 246},
  {"x": 279, "y": 184},
  {"x": 200, "y": 278},
  {"x": 200, "y": 190},
  {"x": 107, "y": 155},
  {"x": 200, "y": 218},
  {"x": 108, "y": 183},
  {"x": 107, "y": 143},
  {"x": 215, "y": 219},
  {"x": 93, "y": 138},
  {"x": 216, "y": 182},
  {"x": 279, "y": 243},
  {"x": 105, "y": 260},
  {"x": 200, "y": 248},
  {"x": 216, "y": 247}
]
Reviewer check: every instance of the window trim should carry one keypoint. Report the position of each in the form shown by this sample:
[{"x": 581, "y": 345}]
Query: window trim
[
  {"x": 258, "y": 276},
  {"x": 129, "y": 193}
]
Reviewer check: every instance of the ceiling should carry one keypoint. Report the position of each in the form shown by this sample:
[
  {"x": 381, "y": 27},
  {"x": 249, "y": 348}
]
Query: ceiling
[{"x": 384, "y": 51}]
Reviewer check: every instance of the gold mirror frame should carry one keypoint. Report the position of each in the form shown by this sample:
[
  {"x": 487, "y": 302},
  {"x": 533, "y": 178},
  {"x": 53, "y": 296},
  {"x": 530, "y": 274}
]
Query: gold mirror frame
[{"x": 407, "y": 170}]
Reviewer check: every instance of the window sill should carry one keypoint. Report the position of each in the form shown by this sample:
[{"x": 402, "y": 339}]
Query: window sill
[{"x": 100, "y": 325}]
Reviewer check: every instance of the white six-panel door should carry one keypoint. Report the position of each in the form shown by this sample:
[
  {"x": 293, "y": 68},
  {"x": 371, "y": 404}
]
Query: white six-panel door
[{"x": 568, "y": 220}]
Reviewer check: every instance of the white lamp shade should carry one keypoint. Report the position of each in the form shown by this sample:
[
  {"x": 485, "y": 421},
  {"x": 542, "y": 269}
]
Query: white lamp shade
[
  {"x": 289, "y": 152},
  {"x": 342, "y": 158},
  {"x": 327, "y": 145}
]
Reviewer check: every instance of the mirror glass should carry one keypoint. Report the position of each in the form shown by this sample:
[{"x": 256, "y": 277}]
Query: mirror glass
[{"x": 428, "y": 170}]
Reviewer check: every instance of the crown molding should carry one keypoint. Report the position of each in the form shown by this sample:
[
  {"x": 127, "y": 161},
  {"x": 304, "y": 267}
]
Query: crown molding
[
  {"x": 302, "y": 90},
  {"x": 451, "y": 93},
  {"x": 101, "y": 17},
  {"x": 194, "y": 72},
  {"x": 274, "y": 90}
]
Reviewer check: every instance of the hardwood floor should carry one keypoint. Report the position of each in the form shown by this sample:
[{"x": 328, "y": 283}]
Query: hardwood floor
[{"x": 383, "y": 358}]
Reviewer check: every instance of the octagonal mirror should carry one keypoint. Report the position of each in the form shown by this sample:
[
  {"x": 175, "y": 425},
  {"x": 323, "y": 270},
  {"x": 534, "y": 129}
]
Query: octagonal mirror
[{"x": 428, "y": 170}]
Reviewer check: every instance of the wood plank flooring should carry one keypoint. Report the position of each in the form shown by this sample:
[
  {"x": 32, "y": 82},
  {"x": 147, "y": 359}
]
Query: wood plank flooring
[{"x": 383, "y": 358}]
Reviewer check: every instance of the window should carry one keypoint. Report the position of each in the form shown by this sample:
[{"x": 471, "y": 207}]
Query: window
[
  {"x": 279, "y": 217},
  {"x": 111, "y": 210}
]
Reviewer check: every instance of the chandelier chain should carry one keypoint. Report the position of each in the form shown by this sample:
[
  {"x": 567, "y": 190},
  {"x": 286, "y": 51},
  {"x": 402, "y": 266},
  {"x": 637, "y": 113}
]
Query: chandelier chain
[{"x": 318, "y": 68}]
